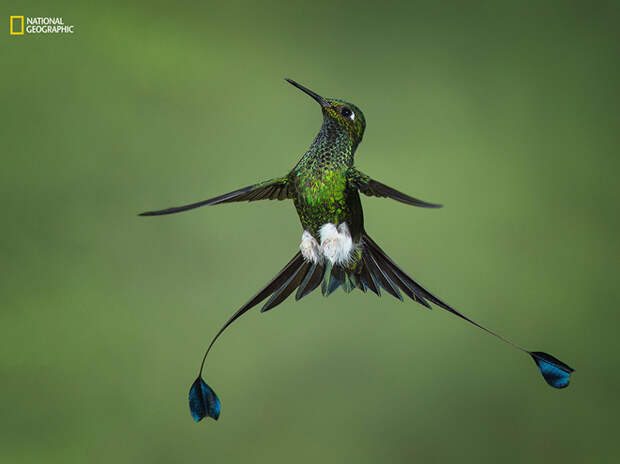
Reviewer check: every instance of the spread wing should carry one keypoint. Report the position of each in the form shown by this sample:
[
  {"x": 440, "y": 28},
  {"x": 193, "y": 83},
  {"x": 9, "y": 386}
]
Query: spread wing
[
  {"x": 274, "y": 189},
  {"x": 373, "y": 188}
]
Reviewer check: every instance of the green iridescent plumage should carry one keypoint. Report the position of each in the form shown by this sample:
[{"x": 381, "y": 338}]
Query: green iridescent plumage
[
  {"x": 320, "y": 182},
  {"x": 325, "y": 186}
]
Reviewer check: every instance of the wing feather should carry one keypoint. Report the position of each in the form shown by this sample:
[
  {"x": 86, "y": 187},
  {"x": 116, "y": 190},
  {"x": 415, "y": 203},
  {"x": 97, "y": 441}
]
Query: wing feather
[
  {"x": 272, "y": 189},
  {"x": 373, "y": 188}
]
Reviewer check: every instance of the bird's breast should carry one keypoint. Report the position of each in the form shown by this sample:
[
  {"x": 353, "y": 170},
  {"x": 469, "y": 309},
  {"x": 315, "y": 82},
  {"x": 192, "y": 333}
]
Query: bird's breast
[
  {"x": 324, "y": 189},
  {"x": 322, "y": 199}
]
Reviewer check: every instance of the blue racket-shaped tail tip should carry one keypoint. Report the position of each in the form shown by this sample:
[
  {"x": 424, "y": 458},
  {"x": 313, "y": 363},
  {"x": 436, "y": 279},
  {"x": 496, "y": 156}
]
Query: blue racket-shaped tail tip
[
  {"x": 203, "y": 402},
  {"x": 555, "y": 372}
]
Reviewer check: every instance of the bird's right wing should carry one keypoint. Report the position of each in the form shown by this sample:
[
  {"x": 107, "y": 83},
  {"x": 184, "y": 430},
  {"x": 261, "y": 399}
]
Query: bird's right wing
[
  {"x": 273, "y": 189},
  {"x": 373, "y": 188}
]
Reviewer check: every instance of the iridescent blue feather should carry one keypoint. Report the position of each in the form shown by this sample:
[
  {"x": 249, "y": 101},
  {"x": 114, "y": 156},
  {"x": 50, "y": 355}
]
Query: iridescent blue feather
[
  {"x": 555, "y": 372},
  {"x": 203, "y": 402}
]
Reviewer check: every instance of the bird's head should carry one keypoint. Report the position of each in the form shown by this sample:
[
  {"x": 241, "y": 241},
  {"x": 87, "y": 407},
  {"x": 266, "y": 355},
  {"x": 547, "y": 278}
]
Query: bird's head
[{"x": 346, "y": 115}]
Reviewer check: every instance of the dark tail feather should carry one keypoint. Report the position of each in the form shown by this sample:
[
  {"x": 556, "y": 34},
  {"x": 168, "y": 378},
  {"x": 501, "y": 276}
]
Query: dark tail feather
[
  {"x": 368, "y": 280},
  {"x": 333, "y": 277},
  {"x": 311, "y": 281},
  {"x": 380, "y": 265},
  {"x": 378, "y": 274},
  {"x": 373, "y": 271},
  {"x": 393, "y": 273},
  {"x": 288, "y": 287}
]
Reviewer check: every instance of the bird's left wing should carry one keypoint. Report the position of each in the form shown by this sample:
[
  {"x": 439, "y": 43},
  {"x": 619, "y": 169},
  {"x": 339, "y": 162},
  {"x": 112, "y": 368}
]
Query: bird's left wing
[
  {"x": 373, "y": 188},
  {"x": 273, "y": 189}
]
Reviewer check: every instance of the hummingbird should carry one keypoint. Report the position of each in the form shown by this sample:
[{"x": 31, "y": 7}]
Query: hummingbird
[{"x": 335, "y": 250}]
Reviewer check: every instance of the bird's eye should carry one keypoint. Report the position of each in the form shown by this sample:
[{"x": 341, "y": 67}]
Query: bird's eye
[{"x": 347, "y": 113}]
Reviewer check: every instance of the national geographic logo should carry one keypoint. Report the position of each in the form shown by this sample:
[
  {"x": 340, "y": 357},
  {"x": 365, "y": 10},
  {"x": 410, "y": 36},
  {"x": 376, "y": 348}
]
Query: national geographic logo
[{"x": 18, "y": 25}]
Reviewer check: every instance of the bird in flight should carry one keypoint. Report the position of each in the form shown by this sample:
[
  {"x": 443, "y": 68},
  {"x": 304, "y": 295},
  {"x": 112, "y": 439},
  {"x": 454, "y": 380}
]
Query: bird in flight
[{"x": 335, "y": 250}]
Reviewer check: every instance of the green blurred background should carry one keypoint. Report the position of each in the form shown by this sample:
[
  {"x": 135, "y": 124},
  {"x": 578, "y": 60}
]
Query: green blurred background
[{"x": 506, "y": 113}]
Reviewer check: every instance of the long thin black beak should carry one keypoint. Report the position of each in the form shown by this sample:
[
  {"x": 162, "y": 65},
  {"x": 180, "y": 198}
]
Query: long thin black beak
[{"x": 324, "y": 103}]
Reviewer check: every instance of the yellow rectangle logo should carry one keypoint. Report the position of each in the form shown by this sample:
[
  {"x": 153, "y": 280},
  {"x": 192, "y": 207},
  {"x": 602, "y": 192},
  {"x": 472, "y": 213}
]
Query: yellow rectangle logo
[{"x": 12, "y": 29}]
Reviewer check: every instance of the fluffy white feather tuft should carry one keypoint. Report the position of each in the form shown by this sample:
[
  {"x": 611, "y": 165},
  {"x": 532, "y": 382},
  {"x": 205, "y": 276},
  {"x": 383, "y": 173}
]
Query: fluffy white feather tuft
[
  {"x": 336, "y": 243},
  {"x": 310, "y": 249}
]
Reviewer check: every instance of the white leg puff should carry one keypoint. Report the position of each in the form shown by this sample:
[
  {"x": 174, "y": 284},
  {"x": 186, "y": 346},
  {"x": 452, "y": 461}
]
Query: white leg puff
[
  {"x": 309, "y": 247},
  {"x": 336, "y": 243}
]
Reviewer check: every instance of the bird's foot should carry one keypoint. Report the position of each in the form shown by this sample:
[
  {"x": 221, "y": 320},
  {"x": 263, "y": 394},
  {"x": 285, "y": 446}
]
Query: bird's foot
[
  {"x": 310, "y": 249},
  {"x": 336, "y": 243}
]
